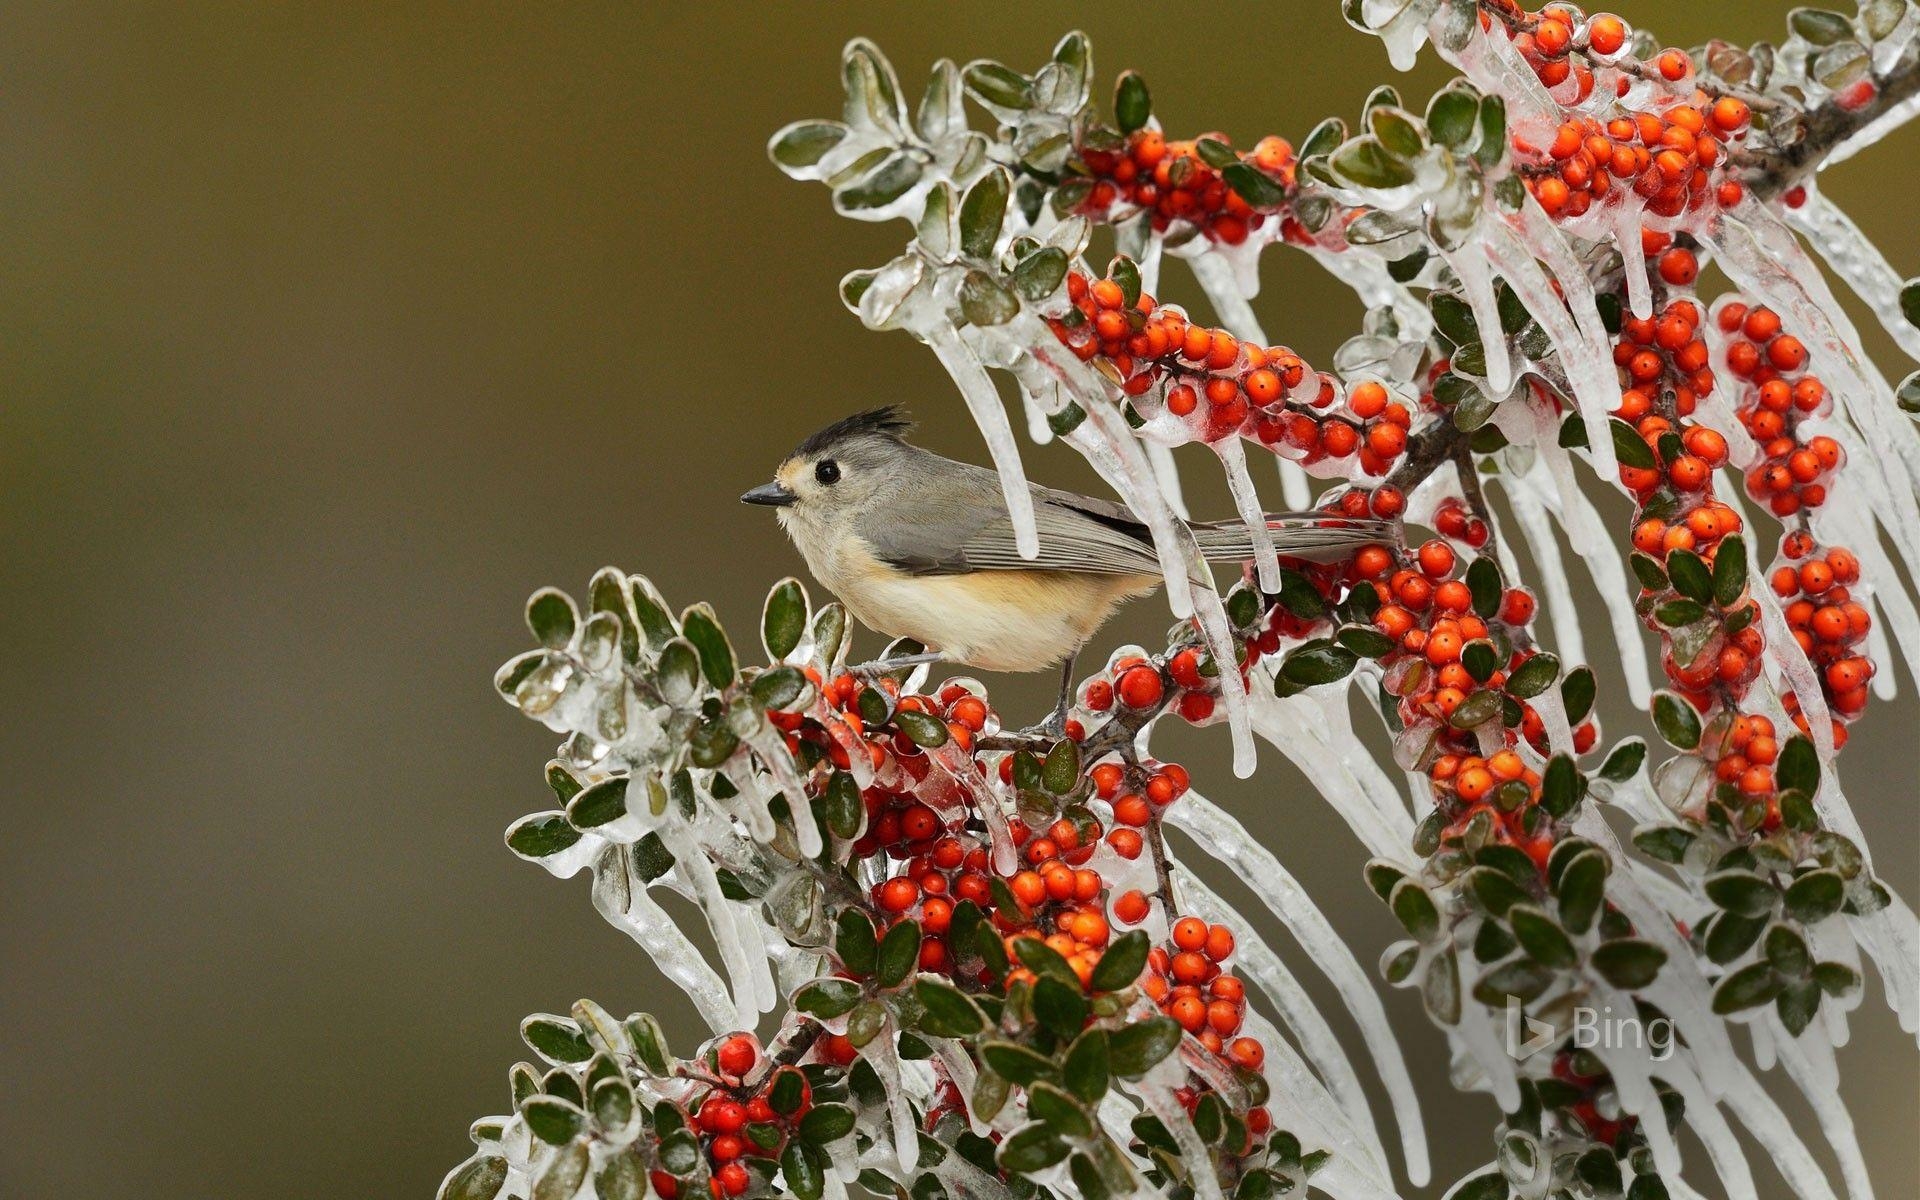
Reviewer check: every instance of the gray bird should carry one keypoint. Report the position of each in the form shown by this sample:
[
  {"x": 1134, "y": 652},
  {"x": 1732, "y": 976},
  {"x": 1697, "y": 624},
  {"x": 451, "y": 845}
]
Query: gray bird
[{"x": 919, "y": 546}]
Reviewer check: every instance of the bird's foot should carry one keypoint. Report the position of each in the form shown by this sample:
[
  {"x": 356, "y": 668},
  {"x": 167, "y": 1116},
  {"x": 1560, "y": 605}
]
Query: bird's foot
[{"x": 898, "y": 663}]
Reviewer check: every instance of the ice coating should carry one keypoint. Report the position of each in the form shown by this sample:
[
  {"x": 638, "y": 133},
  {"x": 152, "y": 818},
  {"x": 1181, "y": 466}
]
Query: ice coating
[
  {"x": 1226, "y": 840},
  {"x": 983, "y": 402},
  {"x": 1476, "y": 283},
  {"x": 1858, "y": 262}
]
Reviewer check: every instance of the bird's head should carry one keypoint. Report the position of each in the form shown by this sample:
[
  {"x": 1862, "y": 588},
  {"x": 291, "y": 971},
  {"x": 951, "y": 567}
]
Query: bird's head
[{"x": 837, "y": 471}]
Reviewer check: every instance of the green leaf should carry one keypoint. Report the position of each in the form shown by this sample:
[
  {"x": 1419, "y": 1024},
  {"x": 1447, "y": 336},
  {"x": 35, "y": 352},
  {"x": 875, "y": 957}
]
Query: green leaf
[
  {"x": 1299, "y": 597},
  {"x": 1541, "y": 936},
  {"x": 827, "y": 998},
  {"x": 1087, "y": 1070},
  {"x": 1676, "y": 720},
  {"x": 1453, "y": 316},
  {"x": 899, "y": 953},
  {"x": 1060, "y": 773},
  {"x": 985, "y": 302},
  {"x": 702, "y": 628},
  {"x": 1495, "y": 890},
  {"x": 1415, "y": 910},
  {"x": 1476, "y": 710},
  {"x": 561, "y": 1178},
  {"x": 1787, "y": 951},
  {"x": 1820, "y": 27},
  {"x": 983, "y": 211},
  {"x": 552, "y": 618},
  {"x": 1629, "y": 447},
  {"x": 1132, "y": 106},
  {"x": 601, "y": 804},
  {"x": 1628, "y": 962},
  {"x": 776, "y": 690},
  {"x": 1493, "y": 131},
  {"x": 1835, "y": 979},
  {"x": 1486, "y": 586},
  {"x": 479, "y": 1178},
  {"x": 1624, "y": 761},
  {"x": 923, "y": 730},
  {"x": 1749, "y": 987},
  {"x": 1038, "y": 275},
  {"x": 1017, "y": 1063},
  {"x": 556, "y": 1039},
  {"x": 1675, "y": 614},
  {"x": 1729, "y": 935},
  {"x": 1255, "y": 186},
  {"x": 1032, "y": 1147},
  {"x": 1523, "y": 979},
  {"x": 1059, "y": 1006},
  {"x": 803, "y": 1176},
  {"x": 1328, "y": 134},
  {"x": 1741, "y": 892},
  {"x": 1534, "y": 676},
  {"x": 949, "y": 1013},
  {"x": 1652, "y": 576},
  {"x": 1122, "y": 962},
  {"x": 1134, "y": 1049},
  {"x": 1451, "y": 115},
  {"x": 1690, "y": 575},
  {"x": 784, "y": 619},
  {"x": 855, "y": 943},
  {"x": 1366, "y": 163},
  {"x": 1815, "y": 896},
  {"x": 1582, "y": 889},
  {"x": 1479, "y": 659},
  {"x": 826, "y": 1123},
  {"x": 1729, "y": 571},
  {"x": 1798, "y": 768},
  {"x": 1365, "y": 641},
  {"x": 541, "y": 835},
  {"x": 1398, "y": 132},
  {"x": 1059, "y": 1109},
  {"x": 1490, "y": 1186},
  {"x": 1318, "y": 662}
]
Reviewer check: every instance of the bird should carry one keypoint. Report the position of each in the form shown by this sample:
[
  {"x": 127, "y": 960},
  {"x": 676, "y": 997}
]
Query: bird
[{"x": 920, "y": 546}]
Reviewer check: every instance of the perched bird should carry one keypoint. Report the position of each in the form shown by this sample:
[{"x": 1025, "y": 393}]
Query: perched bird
[{"x": 919, "y": 546}]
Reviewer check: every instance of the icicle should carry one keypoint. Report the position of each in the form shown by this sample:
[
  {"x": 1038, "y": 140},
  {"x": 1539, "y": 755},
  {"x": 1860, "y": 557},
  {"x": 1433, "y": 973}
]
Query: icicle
[
  {"x": 1162, "y": 1103},
  {"x": 1233, "y": 459},
  {"x": 1858, "y": 261},
  {"x": 1763, "y": 1118},
  {"x": 1368, "y": 278},
  {"x": 1335, "y": 731},
  {"x": 1632, "y": 1069},
  {"x": 1227, "y": 841},
  {"x": 771, "y": 750},
  {"x": 983, "y": 401},
  {"x": 884, "y": 1057},
  {"x": 691, "y": 866},
  {"x": 1552, "y": 578},
  {"x": 1167, "y": 473},
  {"x": 1262, "y": 966},
  {"x": 1215, "y": 277},
  {"x": 1294, "y": 492},
  {"x": 1278, "y": 721},
  {"x": 1476, "y": 280},
  {"x": 1580, "y": 339},
  {"x": 624, "y": 901},
  {"x": 1876, "y": 129},
  {"x": 1706, "y": 1122},
  {"x": 1633, "y": 264},
  {"x": 1475, "y": 1031},
  {"x": 1588, "y": 538}
]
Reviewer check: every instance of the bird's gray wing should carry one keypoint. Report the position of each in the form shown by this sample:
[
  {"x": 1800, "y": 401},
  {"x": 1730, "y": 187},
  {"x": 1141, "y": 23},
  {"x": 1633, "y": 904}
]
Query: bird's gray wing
[
  {"x": 1317, "y": 537},
  {"x": 928, "y": 532}
]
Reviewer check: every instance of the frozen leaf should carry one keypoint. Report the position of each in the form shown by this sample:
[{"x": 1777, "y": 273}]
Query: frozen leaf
[{"x": 552, "y": 617}]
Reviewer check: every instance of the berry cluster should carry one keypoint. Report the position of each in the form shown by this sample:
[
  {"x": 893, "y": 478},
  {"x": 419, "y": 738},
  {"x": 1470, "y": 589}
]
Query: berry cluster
[
  {"x": 1815, "y": 586},
  {"x": 740, "y": 1126},
  {"x": 1776, "y": 396},
  {"x": 1665, "y": 158},
  {"x": 1176, "y": 183},
  {"x": 1213, "y": 386},
  {"x": 1190, "y": 981}
]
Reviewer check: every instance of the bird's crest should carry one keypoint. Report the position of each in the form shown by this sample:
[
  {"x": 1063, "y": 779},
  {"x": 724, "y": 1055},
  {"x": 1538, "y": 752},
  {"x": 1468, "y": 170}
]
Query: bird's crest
[{"x": 888, "y": 421}]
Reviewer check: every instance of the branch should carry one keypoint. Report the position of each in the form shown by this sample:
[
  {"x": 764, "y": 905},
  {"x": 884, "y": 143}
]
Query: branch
[{"x": 1822, "y": 130}]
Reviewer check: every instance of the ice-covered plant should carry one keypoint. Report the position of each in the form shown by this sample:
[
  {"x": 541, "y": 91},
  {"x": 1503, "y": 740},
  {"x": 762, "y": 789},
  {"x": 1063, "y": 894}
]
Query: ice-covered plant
[{"x": 992, "y": 977}]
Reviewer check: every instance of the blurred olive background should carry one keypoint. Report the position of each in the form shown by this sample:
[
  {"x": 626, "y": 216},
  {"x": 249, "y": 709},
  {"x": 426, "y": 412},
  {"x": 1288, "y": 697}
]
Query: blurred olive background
[{"x": 329, "y": 332}]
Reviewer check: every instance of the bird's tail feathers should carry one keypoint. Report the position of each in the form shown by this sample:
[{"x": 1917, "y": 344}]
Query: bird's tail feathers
[{"x": 1316, "y": 537}]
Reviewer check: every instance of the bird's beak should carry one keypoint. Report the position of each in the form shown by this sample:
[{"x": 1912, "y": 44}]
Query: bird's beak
[{"x": 770, "y": 494}]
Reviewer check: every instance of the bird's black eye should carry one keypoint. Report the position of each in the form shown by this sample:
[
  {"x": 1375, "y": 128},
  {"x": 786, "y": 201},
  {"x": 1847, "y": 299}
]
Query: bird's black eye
[{"x": 827, "y": 471}]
